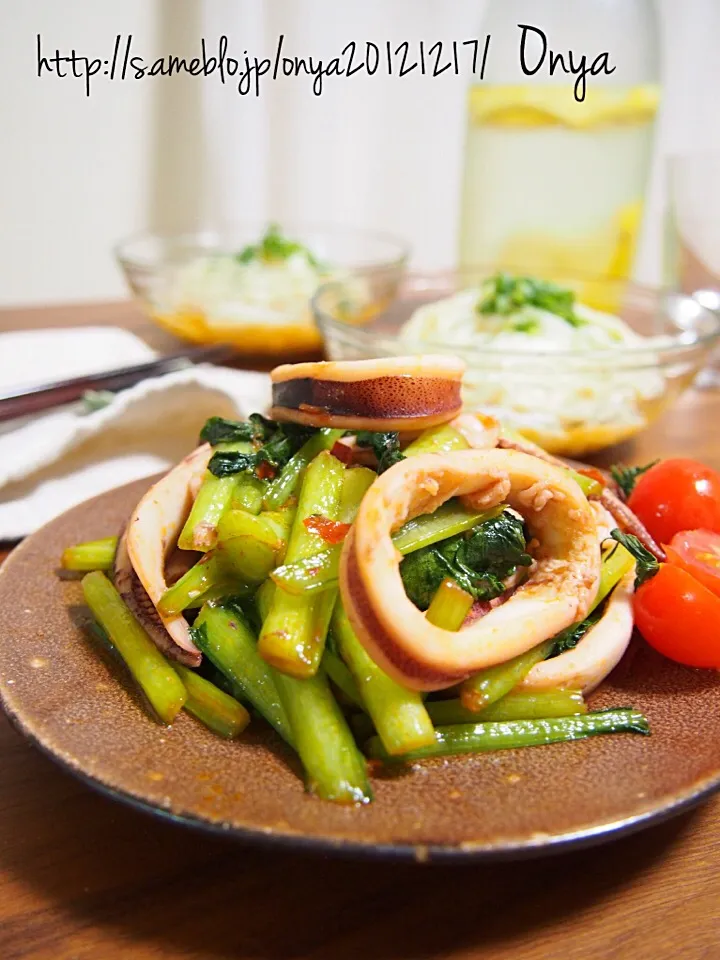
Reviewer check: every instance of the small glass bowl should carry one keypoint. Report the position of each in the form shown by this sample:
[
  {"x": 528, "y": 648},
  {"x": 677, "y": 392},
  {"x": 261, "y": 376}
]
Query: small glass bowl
[
  {"x": 191, "y": 283},
  {"x": 570, "y": 402}
]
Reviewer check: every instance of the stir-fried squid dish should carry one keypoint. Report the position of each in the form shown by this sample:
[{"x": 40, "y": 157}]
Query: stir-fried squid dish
[{"x": 384, "y": 577}]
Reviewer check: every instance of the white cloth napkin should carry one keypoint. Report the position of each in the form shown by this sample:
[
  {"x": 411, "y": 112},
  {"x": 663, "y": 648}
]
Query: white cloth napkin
[
  {"x": 52, "y": 462},
  {"x": 30, "y": 357}
]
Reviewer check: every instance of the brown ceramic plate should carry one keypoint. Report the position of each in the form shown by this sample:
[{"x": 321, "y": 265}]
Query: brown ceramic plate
[{"x": 77, "y": 706}]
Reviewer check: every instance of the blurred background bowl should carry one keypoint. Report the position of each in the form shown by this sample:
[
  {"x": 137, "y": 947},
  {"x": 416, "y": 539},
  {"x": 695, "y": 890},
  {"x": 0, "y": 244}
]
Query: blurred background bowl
[
  {"x": 193, "y": 283},
  {"x": 571, "y": 402}
]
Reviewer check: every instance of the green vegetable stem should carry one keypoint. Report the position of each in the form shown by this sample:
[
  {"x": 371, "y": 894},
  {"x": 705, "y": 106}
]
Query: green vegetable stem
[
  {"x": 288, "y": 639},
  {"x": 399, "y": 715},
  {"x": 224, "y": 635},
  {"x": 92, "y": 555},
  {"x": 160, "y": 683},
  {"x": 483, "y": 737}
]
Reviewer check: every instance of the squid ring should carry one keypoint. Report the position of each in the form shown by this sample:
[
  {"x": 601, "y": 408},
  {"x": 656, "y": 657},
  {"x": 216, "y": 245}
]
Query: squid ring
[
  {"x": 559, "y": 591},
  {"x": 597, "y": 653},
  {"x": 151, "y": 533},
  {"x": 395, "y": 393}
]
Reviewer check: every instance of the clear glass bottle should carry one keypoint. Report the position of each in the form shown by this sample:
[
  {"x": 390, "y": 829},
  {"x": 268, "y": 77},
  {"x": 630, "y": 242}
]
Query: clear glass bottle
[{"x": 552, "y": 185}]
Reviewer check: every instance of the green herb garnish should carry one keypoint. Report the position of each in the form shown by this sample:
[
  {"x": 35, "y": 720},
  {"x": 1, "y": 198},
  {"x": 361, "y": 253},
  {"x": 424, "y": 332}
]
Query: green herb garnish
[
  {"x": 646, "y": 565},
  {"x": 507, "y": 294},
  {"x": 275, "y": 248},
  {"x": 526, "y": 325},
  {"x": 626, "y": 477}
]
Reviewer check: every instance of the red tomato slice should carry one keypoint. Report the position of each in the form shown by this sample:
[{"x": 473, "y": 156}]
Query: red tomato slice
[
  {"x": 698, "y": 552},
  {"x": 679, "y": 617},
  {"x": 677, "y": 495}
]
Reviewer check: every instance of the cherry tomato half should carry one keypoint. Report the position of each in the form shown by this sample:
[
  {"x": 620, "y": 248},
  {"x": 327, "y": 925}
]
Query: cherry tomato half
[
  {"x": 677, "y": 495},
  {"x": 679, "y": 617},
  {"x": 698, "y": 552}
]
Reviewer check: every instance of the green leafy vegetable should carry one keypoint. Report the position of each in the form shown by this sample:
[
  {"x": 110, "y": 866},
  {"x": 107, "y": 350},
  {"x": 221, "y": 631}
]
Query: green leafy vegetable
[
  {"x": 275, "y": 452},
  {"x": 496, "y": 546},
  {"x": 478, "y": 561},
  {"x": 274, "y": 248},
  {"x": 569, "y": 638},
  {"x": 626, "y": 477},
  {"x": 422, "y": 573},
  {"x": 508, "y": 294},
  {"x": 219, "y": 430},
  {"x": 230, "y": 463},
  {"x": 385, "y": 446},
  {"x": 646, "y": 564}
]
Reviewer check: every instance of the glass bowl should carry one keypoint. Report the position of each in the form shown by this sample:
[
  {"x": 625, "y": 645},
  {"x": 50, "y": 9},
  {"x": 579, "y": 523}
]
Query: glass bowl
[
  {"x": 196, "y": 285},
  {"x": 572, "y": 402}
]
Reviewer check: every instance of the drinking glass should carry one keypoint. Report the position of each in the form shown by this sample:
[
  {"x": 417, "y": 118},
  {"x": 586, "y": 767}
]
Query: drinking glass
[{"x": 692, "y": 240}]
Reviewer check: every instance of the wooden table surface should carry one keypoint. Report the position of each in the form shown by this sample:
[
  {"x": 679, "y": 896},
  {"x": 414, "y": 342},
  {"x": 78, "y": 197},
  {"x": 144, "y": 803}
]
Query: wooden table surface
[{"x": 83, "y": 878}]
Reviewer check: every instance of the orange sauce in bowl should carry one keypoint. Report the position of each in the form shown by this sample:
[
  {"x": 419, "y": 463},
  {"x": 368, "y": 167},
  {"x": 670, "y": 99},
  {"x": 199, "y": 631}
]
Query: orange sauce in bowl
[{"x": 255, "y": 338}]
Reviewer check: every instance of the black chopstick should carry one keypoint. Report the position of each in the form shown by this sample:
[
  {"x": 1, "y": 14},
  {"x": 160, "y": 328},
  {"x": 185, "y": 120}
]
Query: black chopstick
[{"x": 20, "y": 403}]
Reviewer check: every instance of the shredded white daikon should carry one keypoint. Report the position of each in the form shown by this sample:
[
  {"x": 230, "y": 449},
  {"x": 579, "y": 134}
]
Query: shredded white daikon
[
  {"x": 540, "y": 372},
  {"x": 229, "y": 292}
]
